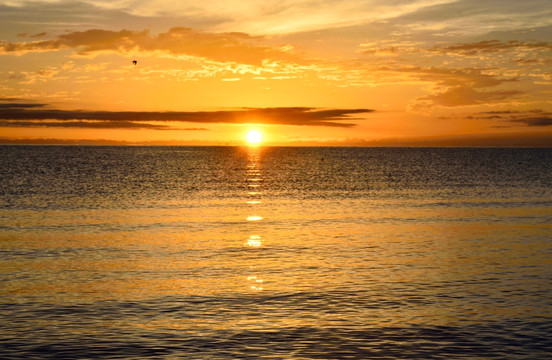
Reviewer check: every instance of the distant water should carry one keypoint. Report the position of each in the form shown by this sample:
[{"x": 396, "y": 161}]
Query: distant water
[{"x": 276, "y": 253}]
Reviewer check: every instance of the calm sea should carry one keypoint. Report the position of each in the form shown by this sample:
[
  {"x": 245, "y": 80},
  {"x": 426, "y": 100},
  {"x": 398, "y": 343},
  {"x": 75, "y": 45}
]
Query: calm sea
[{"x": 276, "y": 253}]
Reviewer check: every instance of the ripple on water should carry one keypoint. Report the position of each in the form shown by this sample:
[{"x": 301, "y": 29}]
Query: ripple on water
[
  {"x": 206, "y": 328},
  {"x": 286, "y": 253}
]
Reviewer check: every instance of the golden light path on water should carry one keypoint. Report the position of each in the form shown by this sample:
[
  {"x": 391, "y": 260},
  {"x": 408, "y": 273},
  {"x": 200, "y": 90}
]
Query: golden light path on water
[{"x": 254, "y": 180}]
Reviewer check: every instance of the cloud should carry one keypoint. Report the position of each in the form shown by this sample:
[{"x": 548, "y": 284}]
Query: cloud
[
  {"x": 32, "y": 114},
  {"x": 267, "y": 17},
  {"x": 35, "y": 141},
  {"x": 39, "y": 35},
  {"x": 87, "y": 125},
  {"x": 539, "y": 121},
  {"x": 510, "y": 112},
  {"x": 497, "y": 45},
  {"x": 476, "y": 18},
  {"x": 472, "y": 77},
  {"x": 305, "y": 116},
  {"x": 463, "y": 95},
  {"x": 383, "y": 51},
  {"x": 9, "y": 106},
  {"x": 493, "y": 46},
  {"x": 54, "y": 17},
  {"x": 232, "y": 46},
  {"x": 459, "y": 87},
  {"x": 532, "y": 118},
  {"x": 275, "y": 16}
]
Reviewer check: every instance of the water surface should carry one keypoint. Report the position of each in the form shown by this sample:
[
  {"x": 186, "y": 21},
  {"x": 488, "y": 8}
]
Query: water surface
[{"x": 283, "y": 253}]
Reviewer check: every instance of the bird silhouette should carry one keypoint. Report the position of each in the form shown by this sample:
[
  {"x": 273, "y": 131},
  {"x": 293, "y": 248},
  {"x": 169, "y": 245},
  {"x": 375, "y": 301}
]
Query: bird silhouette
[{"x": 134, "y": 62}]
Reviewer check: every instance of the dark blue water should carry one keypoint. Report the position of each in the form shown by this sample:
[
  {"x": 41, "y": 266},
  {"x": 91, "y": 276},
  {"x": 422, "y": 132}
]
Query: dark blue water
[{"x": 283, "y": 253}]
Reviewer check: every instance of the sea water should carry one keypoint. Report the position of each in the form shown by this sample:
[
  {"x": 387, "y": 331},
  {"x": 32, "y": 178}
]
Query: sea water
[{"x": 277, "y": 253}]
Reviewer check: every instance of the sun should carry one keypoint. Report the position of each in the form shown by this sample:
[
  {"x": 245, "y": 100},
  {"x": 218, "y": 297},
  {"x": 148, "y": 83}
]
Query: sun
[{"x": 254, "y": 137}]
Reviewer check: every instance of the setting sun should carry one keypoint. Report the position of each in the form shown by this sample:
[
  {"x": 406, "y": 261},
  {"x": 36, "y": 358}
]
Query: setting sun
[{"x": 254, "y": 137}]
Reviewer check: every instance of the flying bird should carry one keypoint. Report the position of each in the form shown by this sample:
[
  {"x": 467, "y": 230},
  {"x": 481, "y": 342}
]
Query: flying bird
[{"x": 134, "y": 62}]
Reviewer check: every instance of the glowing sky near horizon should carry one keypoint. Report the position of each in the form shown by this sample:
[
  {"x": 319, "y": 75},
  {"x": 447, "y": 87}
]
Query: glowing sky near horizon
[{"x": 349, "y": 72}]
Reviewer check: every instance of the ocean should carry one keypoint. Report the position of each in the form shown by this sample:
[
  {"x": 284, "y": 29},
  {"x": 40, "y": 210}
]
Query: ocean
[{"x": 275, "y": 253}]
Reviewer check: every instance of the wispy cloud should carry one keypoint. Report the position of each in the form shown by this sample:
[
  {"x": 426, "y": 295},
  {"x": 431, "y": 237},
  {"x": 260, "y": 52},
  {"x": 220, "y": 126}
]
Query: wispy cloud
[
  {"x": 511, "y": 118},
  {"x": 497, "y": 53},
  {"x": 459, "y": 87},
  {"x": 33, "y": 115},
  {"x": 39, "y": 35},
  {"x": 473, "y": 17},
  {"x": 463, "y": 96},
  {"x": 233, "y": 46},
  {"x": 533, "y": 118},
  {"x": 277, "y": 16},
  {"x": 89, "y": 125},
  {"x": 537, "y": 121},
  {"x": 495, "y": 45}
]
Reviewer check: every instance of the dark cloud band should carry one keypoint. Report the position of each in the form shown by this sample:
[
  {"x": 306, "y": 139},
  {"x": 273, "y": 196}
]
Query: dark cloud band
[{"x": 33, "y": 115}]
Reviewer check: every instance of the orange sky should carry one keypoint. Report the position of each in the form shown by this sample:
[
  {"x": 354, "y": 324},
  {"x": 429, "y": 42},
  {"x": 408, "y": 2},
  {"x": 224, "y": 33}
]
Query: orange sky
[{"x": 351, "y": 72}]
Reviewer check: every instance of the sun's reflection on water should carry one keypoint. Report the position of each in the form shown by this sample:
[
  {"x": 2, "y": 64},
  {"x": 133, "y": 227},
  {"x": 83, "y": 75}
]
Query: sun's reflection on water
[
  {"x": 254, "y": 241},
  {"x": 254, "y": 180},
  {"x": 257, "y": 283},
  {"x": 254, "y": 218}
]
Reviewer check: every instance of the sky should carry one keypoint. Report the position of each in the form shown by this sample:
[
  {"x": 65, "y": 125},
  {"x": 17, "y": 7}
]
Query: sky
[{"x": 303, "y": 72}]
